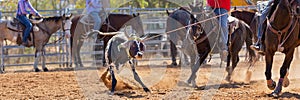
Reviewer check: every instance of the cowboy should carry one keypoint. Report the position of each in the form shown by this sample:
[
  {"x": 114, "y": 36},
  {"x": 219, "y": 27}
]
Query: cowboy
[
  {"x": 221, "y": 8},
  {"x": 22, "y": 11},
  {"x": 93, "y": 8}
]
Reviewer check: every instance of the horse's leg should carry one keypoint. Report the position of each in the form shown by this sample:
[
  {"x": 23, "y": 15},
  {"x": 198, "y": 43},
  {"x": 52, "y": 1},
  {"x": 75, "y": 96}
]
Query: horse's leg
[
  {"x": 105, "y": 41},
  {"x": 114, "y": 80},
  {"x": 196, "y": 67},
  {"x": 173, "y": 50},
  {"x": 44, "y": 60},
  {"x": 137, "y": 77},
  {"x": 283, "y": 72},
  {"x": 79, "y": 45},
  {"x": 229, "y": 68},
  {"x": 36, "y": 61},
  {"x": 268, "y": 73}
]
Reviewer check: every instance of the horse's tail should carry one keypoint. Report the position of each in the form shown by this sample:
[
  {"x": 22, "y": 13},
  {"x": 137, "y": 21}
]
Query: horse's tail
[{"x": 249, "y": 36}]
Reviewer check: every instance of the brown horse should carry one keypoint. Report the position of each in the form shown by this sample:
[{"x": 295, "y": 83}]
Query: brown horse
[
  {"x": 39, "y": 37},
  {"x": 113, "y": 23},
  {"x": 282, "y": 34}
]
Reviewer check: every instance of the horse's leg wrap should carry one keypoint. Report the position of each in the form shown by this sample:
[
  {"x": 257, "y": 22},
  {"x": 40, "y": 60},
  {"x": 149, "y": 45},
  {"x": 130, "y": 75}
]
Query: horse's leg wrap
[
  {"x": 278, "y": 89},
  {"x": 36, "y": 61}
]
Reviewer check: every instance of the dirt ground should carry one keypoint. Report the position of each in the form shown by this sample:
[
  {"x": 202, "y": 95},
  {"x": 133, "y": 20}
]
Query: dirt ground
[{"x": 165, "y": 82}]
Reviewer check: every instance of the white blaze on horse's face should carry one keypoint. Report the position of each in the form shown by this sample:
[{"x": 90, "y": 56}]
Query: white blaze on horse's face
[{"x": 67, "y": 28}]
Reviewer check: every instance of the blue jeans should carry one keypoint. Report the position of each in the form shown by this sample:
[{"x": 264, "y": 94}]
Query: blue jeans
[
  {"x": 262, "y": 18},
  {"x": 97, "y": 20},
  {"x": 25, "y": 21},
  {"x": 224, "y": 27}
]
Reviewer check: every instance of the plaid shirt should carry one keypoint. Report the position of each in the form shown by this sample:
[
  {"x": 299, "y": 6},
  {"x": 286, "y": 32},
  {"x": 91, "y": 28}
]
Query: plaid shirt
[{"x": 24, "y": 6}]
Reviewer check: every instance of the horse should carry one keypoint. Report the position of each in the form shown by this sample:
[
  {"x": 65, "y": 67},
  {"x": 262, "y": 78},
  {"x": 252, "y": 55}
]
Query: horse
[
  {"x": 281, "y": 34},
  {"x": 113, "y": 23},
  {"x": 189, "y": 36},
  {"x": 39, "y": 38},
  {"x": 239, "y": 32},
  {"x": 250, "y": 18}
]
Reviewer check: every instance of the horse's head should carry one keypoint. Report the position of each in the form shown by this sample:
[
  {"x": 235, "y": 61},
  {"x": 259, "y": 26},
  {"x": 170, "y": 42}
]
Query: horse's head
[
  {"x": 66, "y": 25},
  {"x": 196, "y": 29},
  {"x": 137, "y": 24},
  {"x": 198, "y": 10}
]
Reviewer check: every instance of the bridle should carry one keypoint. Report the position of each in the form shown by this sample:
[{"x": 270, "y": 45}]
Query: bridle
[
  {"x": 287, "y": 29},
  {"x": 66, "y": 28}
]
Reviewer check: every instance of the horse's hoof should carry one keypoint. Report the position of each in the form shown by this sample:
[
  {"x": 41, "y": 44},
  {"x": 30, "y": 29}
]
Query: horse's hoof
[
  {"x": 174, "y": 64},
  {"x": 286, "y": 81},
  {"x": 45, "y": 69},
  {"x": 37, "y": 70},
  {"x": 228, "y": 77},
  {"x": 146, "y": 90},
  {"x": 1, "y": 72},
  {"x": 189, "y": 81},
  {"x": 194, "y": 85},
  {"x": 271, "y": 84}
]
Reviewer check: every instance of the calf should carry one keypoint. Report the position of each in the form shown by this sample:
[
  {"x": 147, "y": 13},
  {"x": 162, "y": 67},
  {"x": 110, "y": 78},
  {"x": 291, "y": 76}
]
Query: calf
[{"x": 123, "y": 48}]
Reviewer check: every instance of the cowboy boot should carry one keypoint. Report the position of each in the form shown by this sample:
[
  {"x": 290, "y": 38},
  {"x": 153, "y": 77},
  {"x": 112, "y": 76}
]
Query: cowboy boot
[
  {"x": 256, "y": 46},
  {"x": 262, "y": 49}
]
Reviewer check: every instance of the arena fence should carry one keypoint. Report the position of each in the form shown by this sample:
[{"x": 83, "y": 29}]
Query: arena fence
[{"x": 154, "y": 21}]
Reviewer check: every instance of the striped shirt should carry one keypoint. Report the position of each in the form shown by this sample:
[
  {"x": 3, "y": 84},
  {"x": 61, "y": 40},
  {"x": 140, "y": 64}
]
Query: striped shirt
[{"x": 24, "y": 6}]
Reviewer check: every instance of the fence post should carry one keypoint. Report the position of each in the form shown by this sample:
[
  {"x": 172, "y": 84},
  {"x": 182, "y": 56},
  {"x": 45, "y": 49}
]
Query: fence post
[{"x": 2, "y": 57}]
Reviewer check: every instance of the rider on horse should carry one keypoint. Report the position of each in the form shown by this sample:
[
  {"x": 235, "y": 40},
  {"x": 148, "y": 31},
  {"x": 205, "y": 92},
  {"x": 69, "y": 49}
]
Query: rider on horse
[
  {"x": 265, "y": 13},
  {"x": 23, "y": 6},
  {"x": 93, "y": 8},
  {"x": 222, "y": 7}
]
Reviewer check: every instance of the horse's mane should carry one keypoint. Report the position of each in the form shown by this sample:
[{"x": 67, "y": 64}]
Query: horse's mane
[
  {"x": 54, "y": 18},
  {"x": 121, "y": 15},
  {"x": 245, "y": 11}
]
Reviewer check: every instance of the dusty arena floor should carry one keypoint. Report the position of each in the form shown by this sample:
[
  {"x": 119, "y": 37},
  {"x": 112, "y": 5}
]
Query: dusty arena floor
[{"x": 165, "y": 82}]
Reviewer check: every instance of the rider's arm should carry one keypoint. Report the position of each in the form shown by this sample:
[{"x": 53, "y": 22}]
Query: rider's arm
[{"x": 32, "y": 10}]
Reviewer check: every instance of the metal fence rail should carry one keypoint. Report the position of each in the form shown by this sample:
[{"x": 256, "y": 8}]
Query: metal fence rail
[{"x": 155, "y": 24}]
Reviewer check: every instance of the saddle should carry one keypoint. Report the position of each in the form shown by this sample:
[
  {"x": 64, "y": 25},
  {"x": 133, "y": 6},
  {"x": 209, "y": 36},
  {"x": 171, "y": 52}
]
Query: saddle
[{"x": 17, "y": 26}]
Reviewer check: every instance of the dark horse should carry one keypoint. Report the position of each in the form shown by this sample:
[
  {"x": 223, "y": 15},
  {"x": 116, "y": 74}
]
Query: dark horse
[
  {"x": 249, "y": 17},
  {"x": 281, "y": 34},
  {"x": 113, "y": 23},
  {"x": 190, "y": 38},
  {"x": 239, "y": 32}
]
